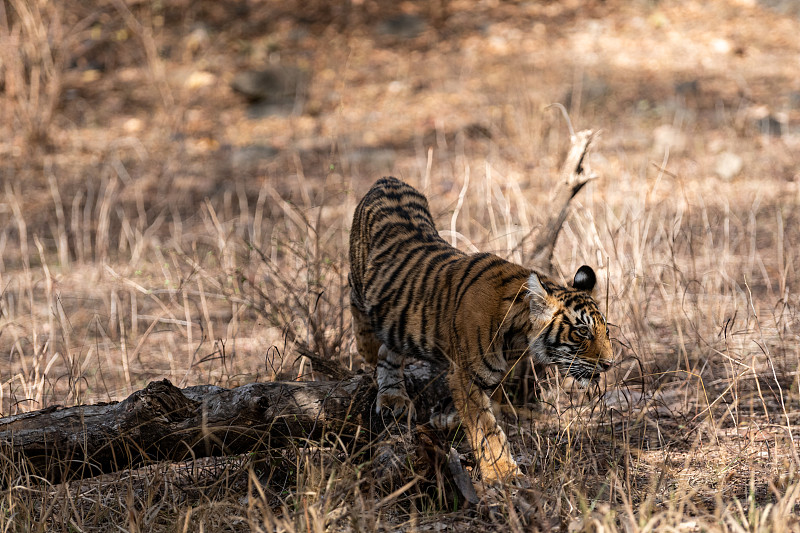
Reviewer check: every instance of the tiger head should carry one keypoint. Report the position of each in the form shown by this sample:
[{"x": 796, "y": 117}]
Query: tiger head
[{"x": 568, "y": 328}]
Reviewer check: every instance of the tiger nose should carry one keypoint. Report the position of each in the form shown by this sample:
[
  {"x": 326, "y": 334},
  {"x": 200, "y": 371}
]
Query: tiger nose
[{"x": 605, "y": 364}]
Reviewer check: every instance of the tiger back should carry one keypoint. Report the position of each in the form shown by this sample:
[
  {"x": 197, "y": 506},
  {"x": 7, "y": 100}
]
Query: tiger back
[{"x": 413, "y": 294}]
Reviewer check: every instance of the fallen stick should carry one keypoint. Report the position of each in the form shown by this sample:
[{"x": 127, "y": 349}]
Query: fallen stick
[{"x": 162, "y": 422}]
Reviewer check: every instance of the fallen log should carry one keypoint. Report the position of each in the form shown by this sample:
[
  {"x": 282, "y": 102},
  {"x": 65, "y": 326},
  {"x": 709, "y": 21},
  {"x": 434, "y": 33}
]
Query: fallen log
[{"x": 162, "y": 422}]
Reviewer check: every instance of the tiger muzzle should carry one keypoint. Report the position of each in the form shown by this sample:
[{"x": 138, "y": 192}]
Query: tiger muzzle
[{"x": 604, "y": 365}]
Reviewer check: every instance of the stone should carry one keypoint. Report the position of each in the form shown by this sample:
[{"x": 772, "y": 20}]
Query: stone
[
  {"x": 404, "y": 26},
  {"x": 199, "y": 79},
  {"x": 769, "y": 125},
  {"x": 250, "y": 157},
  {"x": 276, "y": 85},
  {"x": 728, "y": 165},
  {"x": 669, "y": 137}
]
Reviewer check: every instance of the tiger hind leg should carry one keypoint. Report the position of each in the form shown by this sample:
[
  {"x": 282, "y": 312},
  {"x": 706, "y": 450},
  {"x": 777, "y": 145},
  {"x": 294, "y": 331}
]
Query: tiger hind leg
[
  {"x": 489, "y": 442},
  {"x": 392, "y": 395},
  {"x": 366, "y": 341}
]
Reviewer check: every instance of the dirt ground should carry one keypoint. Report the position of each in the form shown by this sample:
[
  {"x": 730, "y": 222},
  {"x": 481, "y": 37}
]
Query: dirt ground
[{"x": 149, "y": 148}]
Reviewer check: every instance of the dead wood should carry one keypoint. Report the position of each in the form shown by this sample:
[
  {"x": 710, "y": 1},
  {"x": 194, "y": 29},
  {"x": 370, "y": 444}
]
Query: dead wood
[
  {"x": 461, "y": 478},
  {"x": 164, "y": 423},
  {"x": 573, "y": 176}
]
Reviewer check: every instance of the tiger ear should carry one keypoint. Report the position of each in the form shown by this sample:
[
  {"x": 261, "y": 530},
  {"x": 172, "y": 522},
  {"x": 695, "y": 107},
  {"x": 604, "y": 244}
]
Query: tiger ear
[
  {"x": 585, "y": 279},
  {"x": 539, "y": 300}
]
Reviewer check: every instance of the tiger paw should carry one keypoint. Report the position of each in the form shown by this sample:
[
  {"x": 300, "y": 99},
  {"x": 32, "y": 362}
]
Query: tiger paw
[
  {"x": 396, "y": 403},
  {"x": 504, "y": 470},
  {"x": 445, "y": 421}
]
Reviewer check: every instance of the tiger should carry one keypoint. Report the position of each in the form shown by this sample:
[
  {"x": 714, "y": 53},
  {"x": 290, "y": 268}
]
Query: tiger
[{"x": 412, "y": 294}]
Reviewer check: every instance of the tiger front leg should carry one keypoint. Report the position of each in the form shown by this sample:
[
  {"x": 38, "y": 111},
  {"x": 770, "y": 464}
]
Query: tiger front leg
[
  {"x": 489, "y": 442},
  {"x": 392, "y": 395}
]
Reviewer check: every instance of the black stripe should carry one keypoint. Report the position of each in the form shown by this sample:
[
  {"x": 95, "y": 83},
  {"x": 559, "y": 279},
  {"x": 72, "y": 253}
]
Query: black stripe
[
  {"x": 385, "y": 363},
  {"x": 407, "y": 298},
  {"x": 389, "y": 276},
  {"x": 463, "y": 288},
  {"x": 405, "y": 205},
  {"x": 547, "y": 330},
  {"x": 558, "y": 325},
  {"x": 410, "y": 209},
  {"x": 480, "y": 383},
  {"x": 416, "y": 254},
  {"x": 445, "y": 299},
  {"x": 420, "y": 289},
  {"x": 505, "y": 280},
  {"x": 492, "y": 369},
  {"x": 391, "y": 335},
  {"x": 474, "y": 259},
  {"x": 390, "y": 230}
]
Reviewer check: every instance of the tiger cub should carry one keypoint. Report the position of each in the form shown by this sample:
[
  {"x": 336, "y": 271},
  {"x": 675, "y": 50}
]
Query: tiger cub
[{"x": 412, "y": 294}]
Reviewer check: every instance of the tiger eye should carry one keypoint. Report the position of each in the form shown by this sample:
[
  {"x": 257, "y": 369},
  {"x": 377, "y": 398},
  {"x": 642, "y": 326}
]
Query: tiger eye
[{"x": 585, "y": 332}]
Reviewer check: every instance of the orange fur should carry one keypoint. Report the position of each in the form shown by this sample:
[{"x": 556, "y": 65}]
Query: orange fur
[{"x": 412, "y": 294}]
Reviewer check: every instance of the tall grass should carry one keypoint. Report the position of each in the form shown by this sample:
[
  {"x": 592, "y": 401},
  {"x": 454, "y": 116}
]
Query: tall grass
[
  {"x": 692, "y": 429},
  {"x": 128, "y": 275}
]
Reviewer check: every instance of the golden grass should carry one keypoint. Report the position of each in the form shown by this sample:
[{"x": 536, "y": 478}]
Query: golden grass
[{"x": 133, "y": 250}]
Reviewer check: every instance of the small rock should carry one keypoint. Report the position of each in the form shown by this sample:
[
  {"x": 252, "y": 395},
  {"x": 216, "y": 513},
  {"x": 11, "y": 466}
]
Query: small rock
[
  {"x": 197, "y": 39},
  {"x": 686, "y": 88},
  {"x": 373, "y": 157},
  {"x": 728, "y": 165},
  {"x": 478, "y": 131},
  {"x": 405, "y": 26},
  {"x": 248, "y": 158},
  {"x": 133, "y": 125},
  {"x": 593, "y": 92},
  {"x": 198, "y": 79},
  {"x": 765, "y": 121},
  {"x": 263, "y": 109},
  {"x": 272, "y": 84},
  {"x": 769, "y": 125},
  {"x": 721, "y": 46},
  {"x": 90, "y": 75},
  {"x": 668, "y": 137}
]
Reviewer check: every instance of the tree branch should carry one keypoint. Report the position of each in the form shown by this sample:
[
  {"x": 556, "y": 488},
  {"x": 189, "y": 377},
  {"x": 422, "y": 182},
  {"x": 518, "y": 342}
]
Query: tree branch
[
  {"x": 162, "y": 422},
  {"x": 573, "y": 176}
]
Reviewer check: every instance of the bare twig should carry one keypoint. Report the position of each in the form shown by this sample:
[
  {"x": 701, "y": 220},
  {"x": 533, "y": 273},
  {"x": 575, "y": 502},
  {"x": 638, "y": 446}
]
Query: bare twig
[{"x": 573, "y": 176}]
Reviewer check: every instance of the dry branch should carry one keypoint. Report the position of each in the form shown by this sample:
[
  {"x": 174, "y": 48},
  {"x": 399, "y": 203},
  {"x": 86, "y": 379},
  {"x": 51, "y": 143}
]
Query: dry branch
[
  {"x": 573, "y": 176},
  {"x": 162, "y": 422}
]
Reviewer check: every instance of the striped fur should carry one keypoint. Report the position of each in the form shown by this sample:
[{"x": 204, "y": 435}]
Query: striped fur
[{"x": 412, "y": 294}]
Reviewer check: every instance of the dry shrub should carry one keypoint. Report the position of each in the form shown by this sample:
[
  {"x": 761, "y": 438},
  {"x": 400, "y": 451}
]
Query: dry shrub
[{"x": 34, "y": 52}]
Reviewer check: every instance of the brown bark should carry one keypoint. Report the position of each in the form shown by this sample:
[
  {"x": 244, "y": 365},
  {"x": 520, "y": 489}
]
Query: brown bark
[
  {"x": 573, "y": 176},
  {"x": 162, "y": 422}
]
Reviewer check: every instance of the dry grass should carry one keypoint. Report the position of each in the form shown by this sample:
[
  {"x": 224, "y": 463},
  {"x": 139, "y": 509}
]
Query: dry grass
[{"x": 141, "y": 240}]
